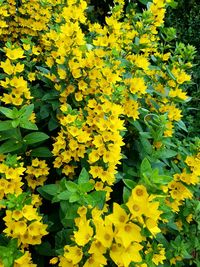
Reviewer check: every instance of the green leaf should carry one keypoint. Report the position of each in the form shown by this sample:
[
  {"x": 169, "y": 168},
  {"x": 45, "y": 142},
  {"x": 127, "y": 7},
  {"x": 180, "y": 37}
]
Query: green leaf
[
  {"x": 145, "y": 166},
  {"x": 129, "y": 183},
  {"x": 136, "y": 124},
  {"x": 43, "y": 70},
  {"x": 33, "y": 138},
  {"x": 126, "y": 194},
  {"x": 60, "y": 238},
  {"x": 182, "y": 125},
  {"x": 145, "y": 135},
  {"x": 144, "y": 2},
  {"x": 69, "y": 210},
  {"x": 13, "y": 134},
  {"x": 42, "y": 152},
  {"x": 15, "y": 123},
  {"x": 166, "y": 153},
  {"x": 44, "y": 111},
  {"x": 44, "y": 249},
  {"x": 83, "y": 177},
  {"x": 27, "y": 111},
  {"x": 8, "y": 260},
  {"x": 74, "y": 197},
  {"x": 173, "y": 4},
  {"x": 175, "y": 167},
  {"x": 55, "y": 104},
  {"x": 9, "y": 253},
  {"x": 50, "y": 96},
  {"x": 89, "y": 200},
  {"x": 173, "y": 226},
  {"x": 5, "y": 125},
  {"x": 161, "y": 179},
  {"x": 10, "y": 146},
  {"x": 72, "y": 187},
  {"x": 7, "y": 112},
  {"x": 28, "y": 125},
  {"x": 146, "y": 145},
  {"x": 64, "y": 195},
  {"x": 13, "y": 243},
  {"x": 52, "y": 124},
  {"x": 50, "y": 189},
  {"x": 86, "y": 187},
  {"x": 99, "y": 198},
  {"x": 170, "y": 74}
]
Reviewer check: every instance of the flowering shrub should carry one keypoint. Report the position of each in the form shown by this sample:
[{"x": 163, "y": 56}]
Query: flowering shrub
[
  {"x": 94, "y": 167},
  {"x": 190, "y": 22}
]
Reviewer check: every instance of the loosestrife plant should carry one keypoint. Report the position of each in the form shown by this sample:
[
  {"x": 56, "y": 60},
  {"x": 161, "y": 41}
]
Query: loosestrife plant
[{"x": 92, "y": 169}]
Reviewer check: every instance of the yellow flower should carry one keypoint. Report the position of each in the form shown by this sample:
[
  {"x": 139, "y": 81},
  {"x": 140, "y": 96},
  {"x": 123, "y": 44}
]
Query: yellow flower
[
  {"x": 54, "y": 260},
  {"x": 62, "y": 73},
  {"x": 7, "y": 67},
  {"x": 128, "y": 233},
  {"x": 180, "y": 75},
  {"x": 118, "y": 216},
  {"x": 152, "y": 226},
  {"x": 33, "y": 240},
  {"x": 158, "y": 258},
  {"x": 189, "y": 218},
  {"x": 73, "y": 253},
  {"x": 82, "y": 211},
  {"x": 123, "y": 257},
  {"x": 115, "y": 253},
  {"x": 95, "y": 261},
  {"x": 17, "y": 214},
  {"x": 18, "y": 68},
  {"x": 139, "y": 193},
  {"x": 20, "y": 228},
  {"x": 96, "y": 171},
  {"x": 84, "y": 233},
  {"x": 26, "y": 47},
  {"x": 174, "y": 114},
  {"x": 30, "y": 213},
  {"x": 97, "y": 248},
  {"x": 104, "y": 232},
  {"x": 15, "y": 53},
  {"x": 137, "y": 207},
  {"x": 24, "y": 260},
  {"x": 31, "y": 76},
  {"x": 137, "y": 85},
  {"x": 37, "y": 228},
  {"x": 141, "y": 62},
  {"x": 93, "y": 156}
]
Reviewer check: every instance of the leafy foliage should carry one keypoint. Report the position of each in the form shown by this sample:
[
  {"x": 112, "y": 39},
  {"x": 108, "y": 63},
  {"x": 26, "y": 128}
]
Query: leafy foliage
[{"x": 98, "y": 165}]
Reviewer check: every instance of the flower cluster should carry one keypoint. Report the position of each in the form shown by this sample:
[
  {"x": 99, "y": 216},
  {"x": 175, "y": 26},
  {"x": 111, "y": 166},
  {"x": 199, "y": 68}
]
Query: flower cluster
[
  {"x": 90, "y": 117},
  {"x": 25, "y": 225},
  {"x": 118, "y": 233}
]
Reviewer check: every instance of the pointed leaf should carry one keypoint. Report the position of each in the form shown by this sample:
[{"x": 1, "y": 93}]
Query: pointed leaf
[
  {"x": 28, "y": 125},
  {"x": 86, "y": 187},
  {"x": 42, "y": 152},
  {"x": 10, "y": 146},
  {"x": 129, "y": 183},
  {"x": 50, "y": 189},
  {"x": 74, "y": 197},
  {"x": 33, "y": 138},
  {"x": 145, "y": 166},
  {"x": 5, "y": 125},
  {"x": 72, "y": 187},
  {"x": 27, "y": 111},
  {"x": 99, "y": 198},
  {"x": 7, "y": 112},
  {"x": 83, "y": 177}
]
